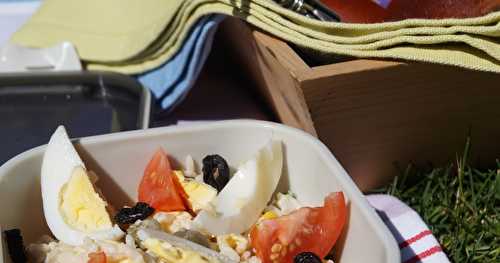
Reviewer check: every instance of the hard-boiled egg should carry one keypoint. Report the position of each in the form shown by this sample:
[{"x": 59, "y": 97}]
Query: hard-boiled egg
[
  {"x": 200, "y": 195},
  {"x": 164, "y": 252},
  {"x": 247, "y": 193},
  {"x": 170, "y": 248},
  {"x": 72, "y": 207}
]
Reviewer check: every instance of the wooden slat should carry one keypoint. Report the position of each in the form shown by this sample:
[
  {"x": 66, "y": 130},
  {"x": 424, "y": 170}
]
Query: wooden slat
[
  {"x": 284, "y": 54},
  {"x": 277, "y": 69},
  {"x": 348, "y": 67},
  {"x": 405, "y": 113},
  {"x": 372, "y": 113}
]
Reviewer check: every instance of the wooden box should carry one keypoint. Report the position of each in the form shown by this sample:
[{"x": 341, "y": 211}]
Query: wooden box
[{"x": 373, "y": 114}]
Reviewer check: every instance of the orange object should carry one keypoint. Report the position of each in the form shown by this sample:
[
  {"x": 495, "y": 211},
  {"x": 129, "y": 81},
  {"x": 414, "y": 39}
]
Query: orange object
[
  {"x": 159, "y": 186},
  {"x": 97, "y": 257},
  {"x": 368, "y": 11},
  {"x": 304, "y": 230}
]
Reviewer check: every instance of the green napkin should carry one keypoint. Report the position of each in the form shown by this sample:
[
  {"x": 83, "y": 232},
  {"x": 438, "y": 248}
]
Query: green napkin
[{"x": 134, "y": 36}]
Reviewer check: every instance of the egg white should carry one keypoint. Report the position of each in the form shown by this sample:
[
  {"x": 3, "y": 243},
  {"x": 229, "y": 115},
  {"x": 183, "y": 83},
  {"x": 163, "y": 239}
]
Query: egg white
[
  {"x": 242, "y": 200},
  {"x": 59, "y": 161}
]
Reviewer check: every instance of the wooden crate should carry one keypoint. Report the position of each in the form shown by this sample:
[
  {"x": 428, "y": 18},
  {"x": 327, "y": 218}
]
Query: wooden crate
[{"x": 375, "y": 114}]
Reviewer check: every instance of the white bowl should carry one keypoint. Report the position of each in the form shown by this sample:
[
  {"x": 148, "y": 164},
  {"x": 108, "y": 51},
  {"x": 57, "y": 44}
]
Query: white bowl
[{"x": 310, "y": 171}]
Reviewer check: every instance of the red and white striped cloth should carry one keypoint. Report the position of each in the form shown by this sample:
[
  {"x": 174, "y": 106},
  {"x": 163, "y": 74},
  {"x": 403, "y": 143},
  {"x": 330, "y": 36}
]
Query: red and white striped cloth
[{"x": 415, "y": 240}]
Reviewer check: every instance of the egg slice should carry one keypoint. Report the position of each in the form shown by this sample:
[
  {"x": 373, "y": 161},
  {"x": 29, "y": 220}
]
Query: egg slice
[
  {"x": 170, "y": 248},
  {"x": 168, "y": 253},
  {"x": 200, "y": 195},
  {"x": 241, "y": 202},
  {"x": 72, "y": 207}
]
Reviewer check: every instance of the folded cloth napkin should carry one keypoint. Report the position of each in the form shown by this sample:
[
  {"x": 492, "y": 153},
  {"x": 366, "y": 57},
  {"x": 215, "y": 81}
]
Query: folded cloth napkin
[
  {"x": 171, "y": 81},
  {"x": 416, "y": 242},
  {"x": 133, "y": 36}
]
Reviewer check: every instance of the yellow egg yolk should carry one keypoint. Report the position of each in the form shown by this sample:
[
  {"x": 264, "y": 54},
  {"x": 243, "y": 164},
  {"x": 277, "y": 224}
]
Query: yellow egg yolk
[
  {"x": 268, "y": 215},
  {"x": 199, "y": 194},
  {"x": 172, "y": 254},
  {"x": 80, "y": 206}
]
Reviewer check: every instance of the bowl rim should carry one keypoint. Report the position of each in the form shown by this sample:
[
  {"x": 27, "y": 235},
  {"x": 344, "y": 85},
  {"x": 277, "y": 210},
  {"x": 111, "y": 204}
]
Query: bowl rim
[{"x": 380, "y": 229}]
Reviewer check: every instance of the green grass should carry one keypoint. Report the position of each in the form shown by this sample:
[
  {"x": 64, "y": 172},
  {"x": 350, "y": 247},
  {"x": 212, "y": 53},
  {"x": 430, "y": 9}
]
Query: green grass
[{"x": 460, "y": 204}]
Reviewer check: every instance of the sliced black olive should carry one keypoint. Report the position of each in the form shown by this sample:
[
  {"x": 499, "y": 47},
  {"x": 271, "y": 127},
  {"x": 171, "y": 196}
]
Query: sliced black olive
[
  {"x": 194, "y": 236},
  {"x": 306, "y": 257},
  {"x": 129, "y": 215},
  {"x": 215, "y": 171},
  {"x": 15, "y": 246}
]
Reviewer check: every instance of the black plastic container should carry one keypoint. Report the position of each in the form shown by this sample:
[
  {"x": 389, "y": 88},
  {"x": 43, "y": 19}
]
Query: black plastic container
[{"x": 32, "y": 105}]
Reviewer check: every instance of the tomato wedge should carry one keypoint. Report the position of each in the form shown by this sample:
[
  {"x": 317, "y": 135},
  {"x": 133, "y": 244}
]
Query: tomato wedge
[
  {"x": 160, "y": 188},
  {"x": 97, "y": 257},
  {"x": 304, "y": 230}
]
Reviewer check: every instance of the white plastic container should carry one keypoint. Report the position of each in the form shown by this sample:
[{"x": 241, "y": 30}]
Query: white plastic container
[{"x": 310, "y": 171}]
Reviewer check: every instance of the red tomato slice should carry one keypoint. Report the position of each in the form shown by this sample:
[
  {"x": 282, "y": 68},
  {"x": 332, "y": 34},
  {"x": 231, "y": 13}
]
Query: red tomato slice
[
  {"x": 97, "y": 257},
  {"x": 160, "y": 188},
  {"x": 304, "y": 230}
]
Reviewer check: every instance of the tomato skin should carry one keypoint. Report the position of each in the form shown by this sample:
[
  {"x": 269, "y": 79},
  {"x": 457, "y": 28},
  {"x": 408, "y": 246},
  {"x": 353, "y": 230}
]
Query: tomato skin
[
  {"x": 97, "y": 257},
  {"x": 159, "y": 187},
  {"x": 304, "y": 230}
]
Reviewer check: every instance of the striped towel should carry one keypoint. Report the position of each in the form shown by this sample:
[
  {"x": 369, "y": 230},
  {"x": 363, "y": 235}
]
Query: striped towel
[{"x": 415, "y": 240}]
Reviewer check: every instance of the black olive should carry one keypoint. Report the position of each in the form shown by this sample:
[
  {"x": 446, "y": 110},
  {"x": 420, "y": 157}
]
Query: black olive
[
  {"x": 129, "y": 215},
  {"x": 306, "y": 257},
  {"x": 15, "y": 246},
  {"x": 215, "y": 171},
  {"x": 194, "y": 236}
]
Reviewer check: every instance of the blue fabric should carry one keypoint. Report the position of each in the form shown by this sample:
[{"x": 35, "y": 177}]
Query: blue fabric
[{"x": 171, "y": 82}]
